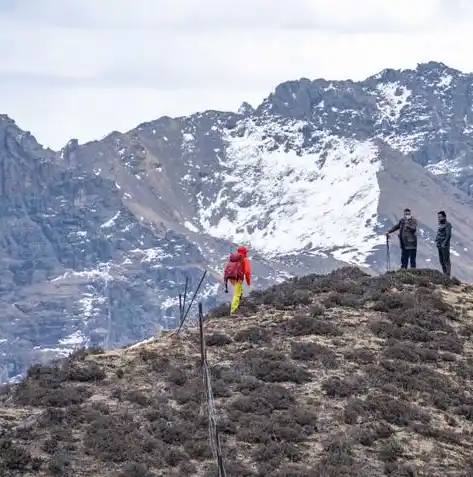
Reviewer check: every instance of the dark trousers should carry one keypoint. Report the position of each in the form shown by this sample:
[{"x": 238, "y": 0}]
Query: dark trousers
[
  {"x": 444, "y": 259},
  {"x": 408, "y": 255}
]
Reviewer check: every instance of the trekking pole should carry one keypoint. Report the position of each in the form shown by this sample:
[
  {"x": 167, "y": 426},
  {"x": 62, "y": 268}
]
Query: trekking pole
[{"x": 388, "y": 256}]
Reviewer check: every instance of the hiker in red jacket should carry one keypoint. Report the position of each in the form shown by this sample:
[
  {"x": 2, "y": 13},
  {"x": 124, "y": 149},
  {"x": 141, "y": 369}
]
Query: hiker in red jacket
[{"x": 236, "y": 270}]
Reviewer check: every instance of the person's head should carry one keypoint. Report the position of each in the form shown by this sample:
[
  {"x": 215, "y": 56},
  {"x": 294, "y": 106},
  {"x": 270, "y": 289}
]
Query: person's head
[
  {"x": 407, "y": 213},
  {"x": 442, "y": 217},
  {"x": 242, "y": 250}
]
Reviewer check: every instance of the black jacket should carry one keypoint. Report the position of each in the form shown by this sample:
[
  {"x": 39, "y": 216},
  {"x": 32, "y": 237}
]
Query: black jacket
[{"x": 444, "y": 234}]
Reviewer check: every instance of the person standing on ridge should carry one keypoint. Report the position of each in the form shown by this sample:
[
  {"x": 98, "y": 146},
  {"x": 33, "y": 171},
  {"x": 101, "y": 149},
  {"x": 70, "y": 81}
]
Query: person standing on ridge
[
  {"x": 407, "y": 227},
  {"x": 442, "y": 240},
  {"x": 237, "y": 269}
]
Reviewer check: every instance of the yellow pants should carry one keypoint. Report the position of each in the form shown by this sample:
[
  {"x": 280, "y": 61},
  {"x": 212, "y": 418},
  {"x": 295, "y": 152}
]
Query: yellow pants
[{"x": 237, "y": 293}]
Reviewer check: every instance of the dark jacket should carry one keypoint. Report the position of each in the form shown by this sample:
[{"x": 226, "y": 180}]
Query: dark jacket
[
  {"x": 407, "y": 233},
  {"x": 444, "y": 234}
]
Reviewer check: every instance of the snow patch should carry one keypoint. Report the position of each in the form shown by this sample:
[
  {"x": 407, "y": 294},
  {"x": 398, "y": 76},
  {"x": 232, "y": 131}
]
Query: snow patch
[
  {"x": 151, "y": 254},
  {"x": 101, "y": 272},
  {"x": 444, "y": 167},
  {"x": 406, "y": 143},
  {"x": 141, "y": 343},
  {"x": 209, "y": 291},
  {"x": 76, "y": 338},
  {"x": 393, "y": 99},
  {"x": 15, "y": 379},
  {"x": 60, "y": 352},
  {"x": 283, "y": 276},
  {"x": 445, "y": 81},
  {"x": 111, "y": 222},
  {"x": 324, "y": 198},
  {"x": 191, "y": 227},
  {"x": 170, "y": 302},
  {"x": 91, "y": 302}
]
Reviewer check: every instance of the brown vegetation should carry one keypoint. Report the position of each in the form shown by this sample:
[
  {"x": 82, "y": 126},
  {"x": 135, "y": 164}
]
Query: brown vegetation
[{"x": 337, "y": 375}]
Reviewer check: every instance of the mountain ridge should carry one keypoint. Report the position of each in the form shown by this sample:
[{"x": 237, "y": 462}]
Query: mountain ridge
[
  {"x": 341, "y": 374},
  {"x": 103, "y": 235},
  {"x": 245, "y": 107}
]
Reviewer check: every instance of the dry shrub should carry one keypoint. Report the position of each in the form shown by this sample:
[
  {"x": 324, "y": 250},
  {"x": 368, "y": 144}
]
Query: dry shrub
[
  {"x": 309, "y": 351},
  {"x": 217, "y": 339},
  {"x": 254, "y": 335},
  {"x": 304, "y": 324}
]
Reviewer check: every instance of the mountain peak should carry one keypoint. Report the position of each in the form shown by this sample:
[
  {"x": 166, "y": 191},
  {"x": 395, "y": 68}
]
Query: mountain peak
[
  {"x": 245, "y": 109},
  {"x": 9, "y": 124},
  {"x": 6, "y": 118},
  {"x": 436, "y": 66},
  {"x": 67, "y": 152}
]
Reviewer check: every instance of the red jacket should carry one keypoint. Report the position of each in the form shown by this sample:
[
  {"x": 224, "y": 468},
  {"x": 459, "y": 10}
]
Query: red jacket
[{"x": 246, "y": 263}]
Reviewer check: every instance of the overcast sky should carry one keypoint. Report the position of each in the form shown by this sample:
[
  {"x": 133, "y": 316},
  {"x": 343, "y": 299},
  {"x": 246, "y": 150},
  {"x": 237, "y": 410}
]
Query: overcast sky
[{"x": 82, "y": 68}]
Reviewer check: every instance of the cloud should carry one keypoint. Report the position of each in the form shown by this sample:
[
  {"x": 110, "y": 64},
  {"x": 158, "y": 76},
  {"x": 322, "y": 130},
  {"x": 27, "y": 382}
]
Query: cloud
[
  {"x": 81, "y": 68},
  {"x": 223, "y": 14}
]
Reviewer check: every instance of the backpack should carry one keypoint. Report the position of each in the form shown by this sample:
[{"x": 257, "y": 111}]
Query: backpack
[{"x": 234, "y": 268}]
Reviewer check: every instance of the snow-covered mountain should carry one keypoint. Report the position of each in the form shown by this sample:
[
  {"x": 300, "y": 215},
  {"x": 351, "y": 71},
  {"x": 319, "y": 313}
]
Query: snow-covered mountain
[{"x": 98, "y": 239}]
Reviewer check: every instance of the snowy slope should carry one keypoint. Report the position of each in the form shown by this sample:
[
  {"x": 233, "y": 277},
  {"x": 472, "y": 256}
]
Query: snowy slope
[{"x": 282, "y": 201}]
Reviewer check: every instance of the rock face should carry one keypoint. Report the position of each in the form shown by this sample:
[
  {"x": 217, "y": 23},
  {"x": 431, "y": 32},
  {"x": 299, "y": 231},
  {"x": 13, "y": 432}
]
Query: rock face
[
  {"x": 424, "y": 113},
  {"x": 98, "y": 239},
  {"x": 336, "y": 375}
]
